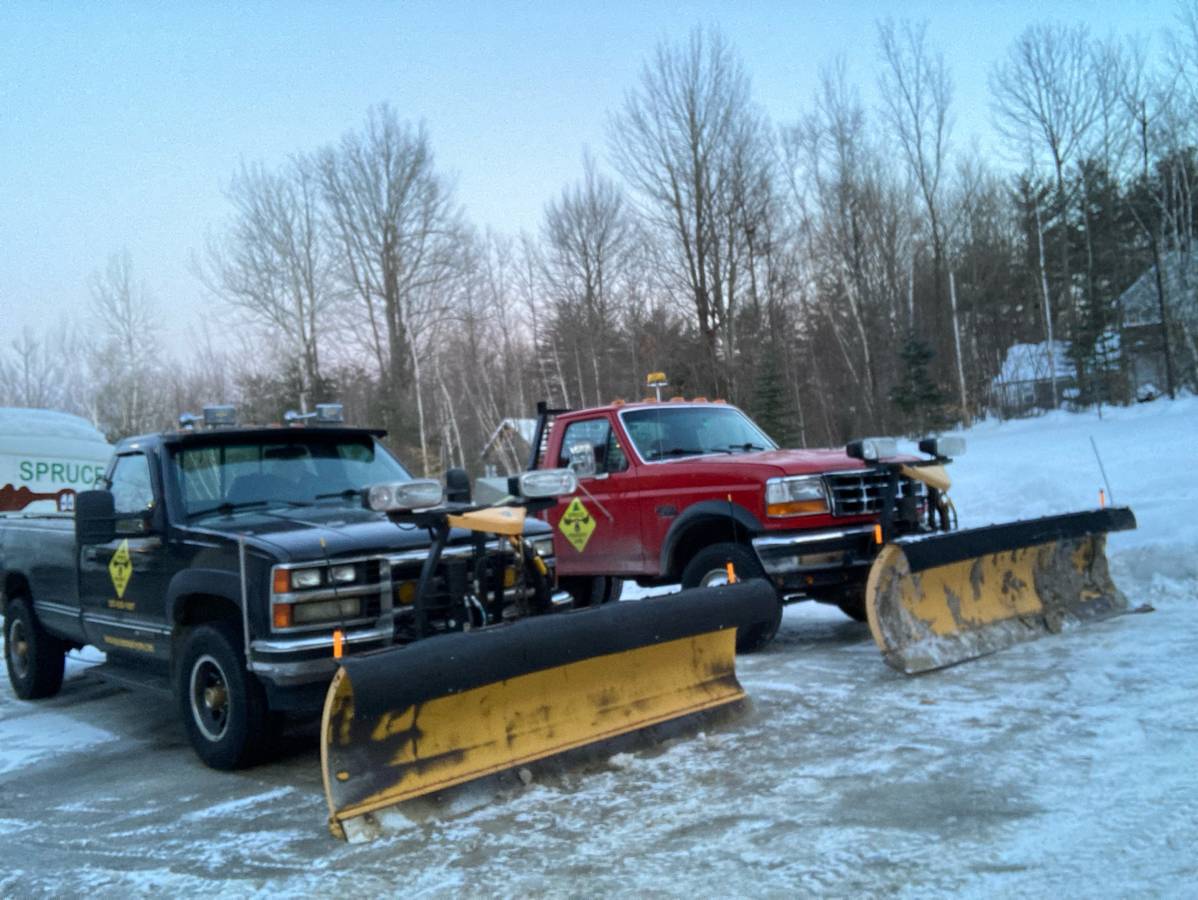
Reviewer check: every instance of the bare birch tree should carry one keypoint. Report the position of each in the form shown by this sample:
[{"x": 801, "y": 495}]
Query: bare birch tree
[
  {"x": 917, "y": 95},
  {"x": 587, "y": 237},
  {"x": 1045, "y": 99},
  {"x": 399, "y": 235},
  {"x": 274, "y": 263},
  {"x": 678, "y": 140},
  {"x": 123, "y": 365}
]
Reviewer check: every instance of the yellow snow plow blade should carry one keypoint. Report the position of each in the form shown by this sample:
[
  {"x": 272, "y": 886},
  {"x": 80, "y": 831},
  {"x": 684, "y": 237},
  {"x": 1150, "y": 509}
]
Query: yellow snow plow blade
[
  {"x": 939, "y": 600},
  {"x": 407, "y": 721}
]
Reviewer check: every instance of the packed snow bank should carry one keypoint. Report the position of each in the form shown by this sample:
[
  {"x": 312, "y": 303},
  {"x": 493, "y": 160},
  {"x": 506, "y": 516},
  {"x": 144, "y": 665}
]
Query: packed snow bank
[{"x": 1024, "y": 468}]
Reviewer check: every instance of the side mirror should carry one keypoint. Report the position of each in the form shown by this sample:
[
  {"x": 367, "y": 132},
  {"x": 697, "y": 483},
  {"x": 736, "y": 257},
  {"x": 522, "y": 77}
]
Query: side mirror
[
  {"x": 582, "y": 460},
  {"x": 457, "y": 486},
  {"x": 95, "y": 517}
]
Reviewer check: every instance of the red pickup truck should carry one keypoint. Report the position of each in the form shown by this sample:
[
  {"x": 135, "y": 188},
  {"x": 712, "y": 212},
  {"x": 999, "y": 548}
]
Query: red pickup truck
[{"x": 673, "y": 491}]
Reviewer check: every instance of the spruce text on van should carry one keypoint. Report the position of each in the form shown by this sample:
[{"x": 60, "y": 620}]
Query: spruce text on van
[{"x": 34, "y": 471}]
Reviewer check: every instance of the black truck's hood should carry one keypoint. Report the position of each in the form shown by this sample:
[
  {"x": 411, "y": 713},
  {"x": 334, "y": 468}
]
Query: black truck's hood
[{"x": 294, "y": 535}]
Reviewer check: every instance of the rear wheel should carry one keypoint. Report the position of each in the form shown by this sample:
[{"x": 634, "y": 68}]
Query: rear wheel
[
  {"x": 223, "y": 706},
  {"x": 709, "y": 568},
  {"x": 35, "y": 658}
]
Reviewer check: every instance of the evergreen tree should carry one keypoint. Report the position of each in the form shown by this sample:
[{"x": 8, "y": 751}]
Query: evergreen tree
[
  {"x": 770, "y": 406},
  {"x": 916, "y": 396}
]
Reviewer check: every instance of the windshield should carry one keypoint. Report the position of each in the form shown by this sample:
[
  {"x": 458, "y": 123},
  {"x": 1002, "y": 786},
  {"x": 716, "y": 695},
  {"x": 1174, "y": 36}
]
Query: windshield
[
  {"x": 300, "y": 472},
  {"x": 664, "y": 432}
]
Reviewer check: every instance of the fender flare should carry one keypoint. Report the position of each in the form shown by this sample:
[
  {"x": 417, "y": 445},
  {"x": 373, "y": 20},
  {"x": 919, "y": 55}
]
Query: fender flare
[
  {"x": 189, "y": 582},
  {"x": 693, "y": 514}
]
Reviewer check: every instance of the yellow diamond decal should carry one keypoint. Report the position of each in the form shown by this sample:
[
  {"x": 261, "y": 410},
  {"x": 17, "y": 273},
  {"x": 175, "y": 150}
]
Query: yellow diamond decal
[
  {"x": 577, "y": 524},
  {"x": 120, "y": 567}
]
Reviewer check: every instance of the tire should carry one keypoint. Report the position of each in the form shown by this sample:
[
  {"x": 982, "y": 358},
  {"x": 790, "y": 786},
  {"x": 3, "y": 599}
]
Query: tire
[
  {"x": 853, "y": 606},
  {"x": 592, "y": 591},
  {"x": 708, "y": 568},
  {"x": 222, "y": 705},
  {"x": 849, "y": 599},
  {"x": 34, "y": 657}
]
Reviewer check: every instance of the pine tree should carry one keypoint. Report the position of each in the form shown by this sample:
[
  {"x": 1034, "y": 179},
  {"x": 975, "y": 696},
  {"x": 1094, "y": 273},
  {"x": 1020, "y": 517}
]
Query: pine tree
[
  {"x": 770, "y": 406},
  {"x": 916, "y": 396}
]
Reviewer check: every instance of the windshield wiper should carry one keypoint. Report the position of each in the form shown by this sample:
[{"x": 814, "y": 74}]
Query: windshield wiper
[
  {"x": 347, "y": 494},
  {"x": 230, "y": 508},
  {"x": 747, "y": 446},
  {"x": 687, "y": 451}
]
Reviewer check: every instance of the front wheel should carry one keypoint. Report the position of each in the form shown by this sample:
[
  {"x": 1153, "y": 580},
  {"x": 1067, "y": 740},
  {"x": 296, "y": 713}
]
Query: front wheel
[
  {"x": 223, "y": 706},
  {"x": 35, "y": 658},
  {"x": 709, "y": 568}
]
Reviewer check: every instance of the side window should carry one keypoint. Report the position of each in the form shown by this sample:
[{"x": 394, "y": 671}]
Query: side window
[
  {"x": 132, "y": 491},
  {"x": 617, "y": 460},
  {"x": 609, "y": 455}
]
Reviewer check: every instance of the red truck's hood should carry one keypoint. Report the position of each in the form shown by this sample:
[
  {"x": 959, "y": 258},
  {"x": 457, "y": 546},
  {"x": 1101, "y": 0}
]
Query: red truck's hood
[{"x": 771, "y": 463}]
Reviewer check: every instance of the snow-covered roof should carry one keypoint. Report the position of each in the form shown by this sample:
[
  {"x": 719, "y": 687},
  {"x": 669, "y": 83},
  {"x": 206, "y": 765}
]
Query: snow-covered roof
[
  {"x": 47, "y": 423},
  {"x": 1031, "y": 362},
  {"x": 1180, "y": 277},
  {"x": 526, "y": 428}
]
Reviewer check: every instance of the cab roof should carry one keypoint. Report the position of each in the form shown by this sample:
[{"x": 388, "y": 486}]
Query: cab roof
[{"x": 241, "y": 434}]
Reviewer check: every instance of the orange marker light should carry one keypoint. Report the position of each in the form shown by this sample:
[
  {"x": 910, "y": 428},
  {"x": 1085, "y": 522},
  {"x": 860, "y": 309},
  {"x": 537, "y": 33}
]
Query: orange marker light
[
  {"x": 877, "y": 534},
  {"x": 282, "y": 584},
  {"x": 731, "y": 572},
  {"x": 338, "y": 641},
  {"x": 281, "y": 617}
]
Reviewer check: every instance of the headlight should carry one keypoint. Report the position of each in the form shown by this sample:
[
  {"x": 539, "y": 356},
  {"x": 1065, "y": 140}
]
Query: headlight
[
  {"x": 342, "y": 574},
  {"x": 543, "y": 545},
  {"x": 304, "y": 579},
  {"x": 326, "y": 610},
  {"x": 801, "y": 495}
]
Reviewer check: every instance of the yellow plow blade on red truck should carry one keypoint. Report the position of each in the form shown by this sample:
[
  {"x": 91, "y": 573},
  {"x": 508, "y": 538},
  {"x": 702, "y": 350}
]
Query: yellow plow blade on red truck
[
  {"x": 411, "y": 720},
  {"x": 937, "y": 600}
]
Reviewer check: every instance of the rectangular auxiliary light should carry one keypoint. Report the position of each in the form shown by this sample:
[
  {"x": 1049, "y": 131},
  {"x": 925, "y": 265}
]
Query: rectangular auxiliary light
[
  {"x": 548, "y": 483},
  {"x": 224, "y": 415},
  {"x": 401, "y": 496}
]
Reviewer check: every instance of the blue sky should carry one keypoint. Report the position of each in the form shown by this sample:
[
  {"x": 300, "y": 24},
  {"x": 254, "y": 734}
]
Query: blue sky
[{"x": 120, "y": 124}]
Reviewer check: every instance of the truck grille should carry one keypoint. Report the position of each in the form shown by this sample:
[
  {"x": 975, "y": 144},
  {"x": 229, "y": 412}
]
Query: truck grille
[{"x": 860, "y": 493}]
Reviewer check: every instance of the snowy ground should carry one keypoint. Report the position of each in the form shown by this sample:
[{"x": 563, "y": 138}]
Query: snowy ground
[{"x": 1066, "y": 767}]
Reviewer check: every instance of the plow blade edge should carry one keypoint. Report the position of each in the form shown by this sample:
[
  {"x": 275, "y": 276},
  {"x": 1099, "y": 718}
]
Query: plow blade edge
[
  {"x": 411, "y": 720},
  {"x": 939, "y": 600}
]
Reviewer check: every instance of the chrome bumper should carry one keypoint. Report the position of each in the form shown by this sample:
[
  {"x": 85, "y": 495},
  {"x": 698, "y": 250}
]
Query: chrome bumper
[{"x": 815, "y": 551}]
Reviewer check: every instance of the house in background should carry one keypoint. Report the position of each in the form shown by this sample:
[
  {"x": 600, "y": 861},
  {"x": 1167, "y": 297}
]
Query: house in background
[
  {"x": 1142, "y": 342},
  {"x": 1025, "y": 381},
  {"x": 506, "y": 450}
]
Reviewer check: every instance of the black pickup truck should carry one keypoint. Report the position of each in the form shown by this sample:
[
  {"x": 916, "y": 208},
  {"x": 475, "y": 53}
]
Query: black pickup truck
[{"x": 218, "y": 564}]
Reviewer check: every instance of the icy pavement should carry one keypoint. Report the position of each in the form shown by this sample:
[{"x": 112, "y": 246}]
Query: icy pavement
[{"x": 1065, "y": 767}]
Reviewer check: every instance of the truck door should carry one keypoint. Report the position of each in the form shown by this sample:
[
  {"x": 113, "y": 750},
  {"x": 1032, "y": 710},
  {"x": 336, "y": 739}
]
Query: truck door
[
  {"x": 598, "y": 530},
  {"x": 122, "y": 584}
]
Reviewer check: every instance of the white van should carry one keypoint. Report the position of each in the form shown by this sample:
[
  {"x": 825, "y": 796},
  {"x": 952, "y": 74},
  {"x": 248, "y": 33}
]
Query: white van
[{"x": 45, "y": 457}]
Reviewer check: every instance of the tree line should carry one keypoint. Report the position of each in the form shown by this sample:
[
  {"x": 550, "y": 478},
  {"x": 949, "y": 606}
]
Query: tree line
[{"x": 855, "y": 270}]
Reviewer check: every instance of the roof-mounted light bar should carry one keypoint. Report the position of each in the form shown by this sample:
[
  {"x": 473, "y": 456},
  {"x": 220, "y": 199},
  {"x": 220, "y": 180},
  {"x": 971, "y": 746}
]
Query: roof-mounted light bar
[{"x": 324, "y": 414}]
